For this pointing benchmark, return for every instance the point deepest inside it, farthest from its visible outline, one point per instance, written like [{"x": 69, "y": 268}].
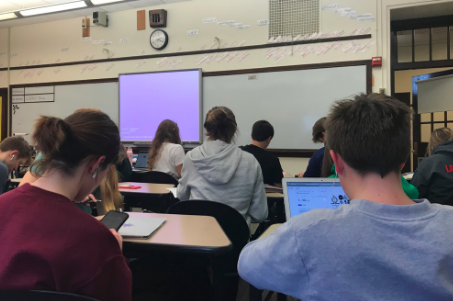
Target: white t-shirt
[{"x": 171, "y": 156}]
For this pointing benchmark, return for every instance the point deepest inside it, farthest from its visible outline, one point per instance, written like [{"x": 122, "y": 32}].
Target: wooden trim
[
  {"x": 430, "y": 44},
  {"x": 196, "y": 52},
  {"x": 420, "y": 23},
  {"x": 3, "y": 69},
  {"x": 448, "y": 43},
  {"x": 423, "y": 65},
  {"x": 293, "y": 153},
  {"x": 4, "y": 96},
  {"x": 76, "y": 82}
]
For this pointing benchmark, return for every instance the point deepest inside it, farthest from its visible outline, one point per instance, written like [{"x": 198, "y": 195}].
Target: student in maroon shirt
[{"x": 47, "y": 243}]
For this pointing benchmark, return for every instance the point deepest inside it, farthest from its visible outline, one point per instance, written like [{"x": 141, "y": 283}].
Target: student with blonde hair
[
  {"x": 48, "y": 243},
  {"x": 166, "y": 153},
  {"x": 220, "y": 171},
  {"x": 434, "y": 175}
]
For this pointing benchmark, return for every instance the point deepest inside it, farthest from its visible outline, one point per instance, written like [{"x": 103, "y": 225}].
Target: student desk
[
  {"x": 270, "y": 230},
  {"x": 154, "y": 197},
  {"x": 13, "y": 183},
  {"x": 190, "y": 233},
  {"x": 183, "y": 233},
  {"x": 146, "y": 188}
]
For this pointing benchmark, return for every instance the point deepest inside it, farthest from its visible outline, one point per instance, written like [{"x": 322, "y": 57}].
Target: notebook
[
  {"x": 140, "y": 226},
  {"x": 142, "y": 160},
  {"x": 304, "y": 194}
]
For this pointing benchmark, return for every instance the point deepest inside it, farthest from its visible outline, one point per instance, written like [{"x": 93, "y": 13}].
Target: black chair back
[
  {"x": 41, "y": 296},
  {"x": 155, "y": 177}
]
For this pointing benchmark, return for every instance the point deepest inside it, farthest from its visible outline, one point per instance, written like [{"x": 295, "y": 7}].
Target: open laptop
[
  {"x": 304, "y": 194},
  {"x": 137, "y": 226},
  {"x": 142, "y": 161}
]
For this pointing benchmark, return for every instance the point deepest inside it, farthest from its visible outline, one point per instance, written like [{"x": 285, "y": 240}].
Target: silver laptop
[
  {"x": 137, "y": 226},
  {"x": 304, "y": 194}
]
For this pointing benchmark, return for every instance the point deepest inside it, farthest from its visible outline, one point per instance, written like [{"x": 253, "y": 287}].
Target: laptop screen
[
  {"x": 142, "y": 160},
  {"x": 305, "y": 196}
]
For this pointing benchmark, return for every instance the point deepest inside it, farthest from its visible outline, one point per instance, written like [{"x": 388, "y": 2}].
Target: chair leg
[
  {"x": 281, "y": 297},
  {"x": 255, "y": 294}
]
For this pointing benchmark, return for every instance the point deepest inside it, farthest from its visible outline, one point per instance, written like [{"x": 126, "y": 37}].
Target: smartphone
[{"x": 114, "y": 219}]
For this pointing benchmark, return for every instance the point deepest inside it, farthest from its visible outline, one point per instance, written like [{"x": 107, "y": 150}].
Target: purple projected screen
[{"x": 148, "y": 98}]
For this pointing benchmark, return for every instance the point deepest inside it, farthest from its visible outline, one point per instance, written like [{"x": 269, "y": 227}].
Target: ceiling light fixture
[
  {"x": 52, "y": 8},
  {"x": 7, "y": 16},
  {"x": 99, "y": 2}
]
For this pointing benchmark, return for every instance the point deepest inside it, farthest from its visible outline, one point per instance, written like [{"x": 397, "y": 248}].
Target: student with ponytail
[
  {"x": 47, "y": 242},
  {"x": 220, "y": 171}
]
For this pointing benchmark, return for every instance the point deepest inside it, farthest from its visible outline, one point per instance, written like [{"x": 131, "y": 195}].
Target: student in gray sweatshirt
[
  {"x": 219, "y": 171},
  {"x": 383, "y": 246},
  {"x": 14, "y": 151}
]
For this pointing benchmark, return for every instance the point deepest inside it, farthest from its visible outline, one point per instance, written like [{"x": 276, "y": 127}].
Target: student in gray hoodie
[
  {"x": 383, "y": 246},
  {"x": 219, "y": 171}
]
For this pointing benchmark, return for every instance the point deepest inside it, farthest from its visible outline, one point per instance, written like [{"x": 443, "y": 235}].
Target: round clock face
[{"x": 158, "y": 39}]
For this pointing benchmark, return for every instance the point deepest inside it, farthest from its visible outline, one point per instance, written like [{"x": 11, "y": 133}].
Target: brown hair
[
  {"x": 220, "y": 124},
  {"x": 438, "y": 136},
  {"x": 17, "y": 143},
  {"x": 327, "y": 162},
  {"x": 167, "y": 131},
  {"x": 371, "y": 133},
  {"x": 318, "y": 130},
  {"x": 110, "y": 195},
  {"x": 66, "y": 143}
]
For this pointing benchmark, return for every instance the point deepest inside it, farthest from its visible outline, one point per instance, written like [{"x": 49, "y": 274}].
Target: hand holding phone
[{"x": 114, "y": 219}]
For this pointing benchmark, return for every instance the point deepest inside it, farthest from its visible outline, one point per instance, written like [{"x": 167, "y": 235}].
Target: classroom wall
[
  {"x": 61, "y": 41},
  {"x": 3, "y": 56},
  {"x": 294, "y": 166}
]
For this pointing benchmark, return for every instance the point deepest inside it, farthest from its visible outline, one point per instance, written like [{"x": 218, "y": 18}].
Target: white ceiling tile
[
  {"x": 116, "y": 7},
  {"x": 87, "y": 11},
  {"x": 28, "y": 3},
  {"x": 173, "y": 1},
  {"x": 13, "y": 5},
  {"x": 7, "y": 7},
  {"x": 52, "y": 2},
  {"x": 145, "y": 3}
]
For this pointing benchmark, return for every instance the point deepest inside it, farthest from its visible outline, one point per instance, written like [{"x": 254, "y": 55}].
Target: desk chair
[
  {"x": 237, "y": 230},
  {"x": 163, "y": 203},
  {"x": 41, "y": 296},
  {"x": 155, "y": 177}
]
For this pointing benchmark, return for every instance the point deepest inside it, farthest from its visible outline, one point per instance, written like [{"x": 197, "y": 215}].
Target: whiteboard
[
  {"x": 292, "y": 101},
  {"x": 434, "y": 95},
  {"x": 68, "y": 98}
]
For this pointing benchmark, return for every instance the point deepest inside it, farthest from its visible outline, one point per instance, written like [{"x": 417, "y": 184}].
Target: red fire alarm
[{"x": 376, "y": 61}]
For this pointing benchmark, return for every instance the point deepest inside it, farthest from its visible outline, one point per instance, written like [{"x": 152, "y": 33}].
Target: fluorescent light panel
[
  {"x": 99, "y": 2},
  {"x": 52, "y": 9},
  {"x": 7, "y": 16}
]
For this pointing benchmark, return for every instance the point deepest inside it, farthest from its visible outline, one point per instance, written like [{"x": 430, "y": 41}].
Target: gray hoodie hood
[{"x": 216, "y": 161}]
